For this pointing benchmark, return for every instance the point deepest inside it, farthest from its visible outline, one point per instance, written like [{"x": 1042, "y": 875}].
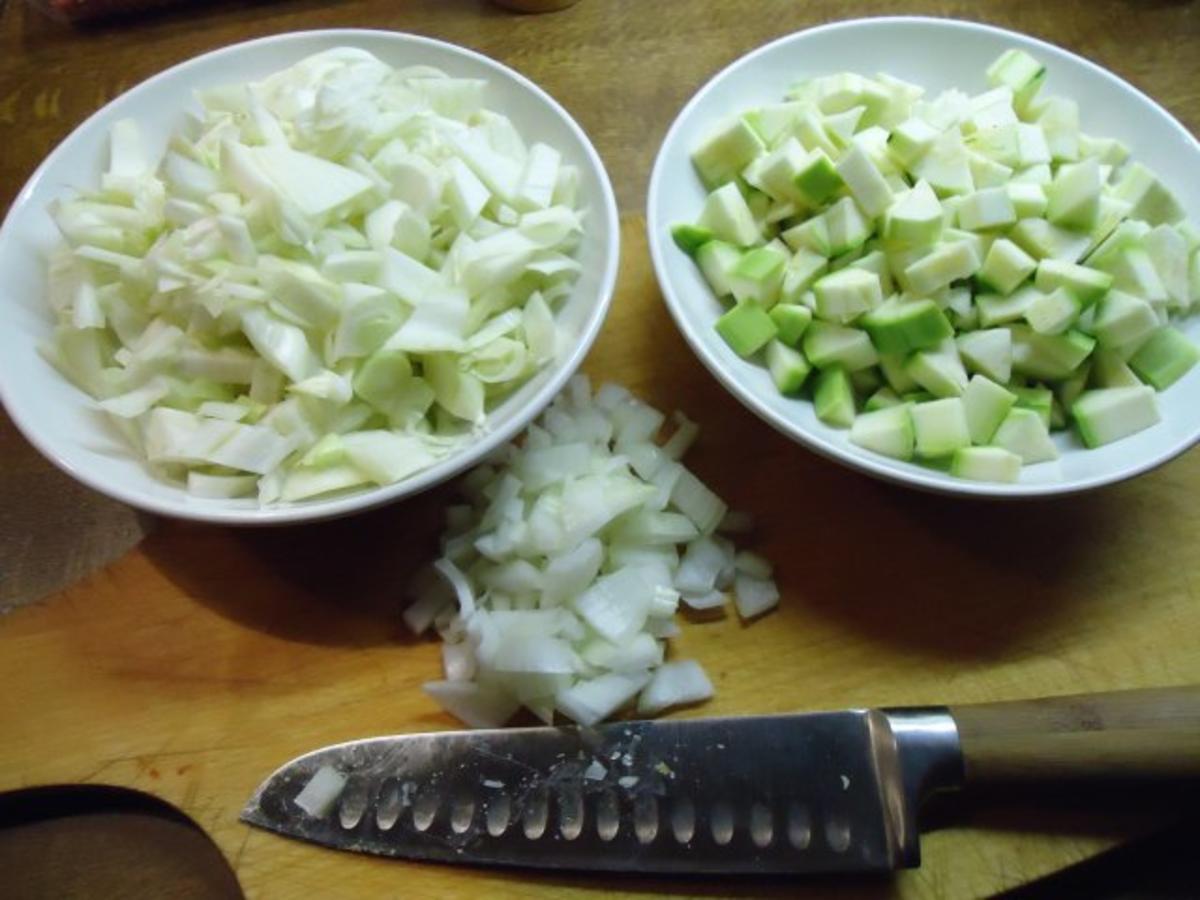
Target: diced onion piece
[
  {"x": 477, "y": 705},
  {"x": 754, "y": 596},
  {"x": 319, "y": 795},
  {"x": 566, "y": 566},
  {"x": 588, "y": 702},
  {"x": 674, "y": 684}
]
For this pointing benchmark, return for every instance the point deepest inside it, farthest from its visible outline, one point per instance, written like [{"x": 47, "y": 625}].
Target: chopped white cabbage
[{"x": 341, "y": 249}]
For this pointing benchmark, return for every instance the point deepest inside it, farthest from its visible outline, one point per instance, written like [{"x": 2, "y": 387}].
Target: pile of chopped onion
[
  {"x": 325, "y": 283},
  {"x": 560, "y": 579}
]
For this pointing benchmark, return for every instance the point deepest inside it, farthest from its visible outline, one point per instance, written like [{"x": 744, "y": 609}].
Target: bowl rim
[
  {"x": 864, "y": 461},
  {"x": 319, "y": 509}
]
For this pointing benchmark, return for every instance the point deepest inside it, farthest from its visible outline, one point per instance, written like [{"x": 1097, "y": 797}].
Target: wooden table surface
[{"x": 203, "y": 657}]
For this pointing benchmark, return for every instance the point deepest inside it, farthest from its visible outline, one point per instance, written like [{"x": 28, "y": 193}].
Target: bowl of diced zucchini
[{"x": 946, "y": 254}]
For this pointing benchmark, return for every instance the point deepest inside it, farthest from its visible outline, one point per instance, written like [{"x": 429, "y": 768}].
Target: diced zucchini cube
[
  {"x": 914, "y": 218},
  {"x": 757, "y": 276},
  {"x": 939, "y": 371},
  {"x": 1109, "y": 370},
  {"x": 902, "y": 326},
  {"x": 947, "y": 263},
  {"x": 1000, "y": 145},
  {"x": 716, "y": 260},
  {"x": 996, "y": 309},
  {"x": 888, "y": 431},
  {"x": 1044, "y": 240},
  {"x": 1087, "y": 284},
  {"x": 1048, "y": 356},
  {"x": 1053, "y": 313},
  {"x": 1133, "y": 271},
  {"x": 841, "y": 126},
  {"x": 788, "y": 368},
  {"x": 847, "y": 226},
  {"x": 1005, "y": 267},
  {"x": 833, "y": 397},
  {"x": 1073, "y": 197},
  {"x": 1122, "y": 320},
  {"x": 725, "y": 153},
  {"x": 1125, "y": 236},
  {"x": 988, "y": 352},
  {"x": 799, "y": 274},
  {"x": 773, "y": 123},
  {"x": 1151, "y": 199},
  {"x": 1028, "y": 199},
  {"x": 988, "y": 208},
  {"x": 1106, "y": 150},
  {"x": 818, "y": 179},
  {"x": 987, "y": 173},
  {"x": 1059, "y": 119},
  {"x": 940, "y": 427},
  {"x": 776, "y": 172},
  {"x": 791, "y": 320},
  {"x": 945, "y": 165},
  {"x": 827, "y": 345},
  {"x": 866, "y": 183},
  {"x": 747, "y": 328},
  {"x": 1168, "y": 251},
  {"x": 1032, "y": 149},
  {"x": 690, "y": 238},
  {"x": 1165, "y": 357},
  {"x": 1038, "y": 173},
  {"x": 876, "y": 261},
  {"x": 1021, "y": 73},
  {"x": 811, "y": 234},
  {"x": 986, "y": 404},
  {"x": 892, "y": 366},
  {"x": 1024, "y": 433},
  {"x": 981, "y": 242},
  {"x": 727, "y": 216},
  {"x": 985, "y": 464},
  {"x": 1109, "y": 414},
  {"x": 1039, "y": 399},
  {"x": 846, "y": 294},
  {"x": 910, "y": 140}
]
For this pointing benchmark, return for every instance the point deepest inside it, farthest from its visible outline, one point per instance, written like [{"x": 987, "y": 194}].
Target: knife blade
[{"x": 810, "y": 792}]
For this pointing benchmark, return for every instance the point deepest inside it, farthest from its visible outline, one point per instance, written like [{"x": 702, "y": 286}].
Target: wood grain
[
  {"x": 1134, "y": 736},
  {"x": 198, "y": 662}
]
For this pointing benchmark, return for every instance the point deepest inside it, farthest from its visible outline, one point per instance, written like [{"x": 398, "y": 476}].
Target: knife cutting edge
[{"x": 811, "y": 792}]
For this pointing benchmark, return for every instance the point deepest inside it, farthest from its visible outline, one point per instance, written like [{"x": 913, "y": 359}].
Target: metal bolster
[{"x": 917, "y": 753}]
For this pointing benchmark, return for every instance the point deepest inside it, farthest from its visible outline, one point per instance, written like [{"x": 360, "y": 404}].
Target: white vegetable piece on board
[{"x": 562, "y": 572}]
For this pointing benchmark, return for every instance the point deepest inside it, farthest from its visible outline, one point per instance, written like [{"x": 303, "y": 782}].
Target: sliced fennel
[
  {"x": 561, "y": 575},
  {"x": 325, "y": 283}
]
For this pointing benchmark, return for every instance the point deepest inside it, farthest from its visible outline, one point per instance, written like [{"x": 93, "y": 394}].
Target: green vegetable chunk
[
  {"x": 791, "y": 320},
  {"x": 1164, "y": 358},
  {"x": 789, "y": 369},
  {"x": 940, "y": 427},
  {"x": 985, "y": 464},
  {"x": 746, "y": 328},
  {"x": 902, "y": 326},
  {"x": 833, "y": 397},
  {"x": 1106, "y": 415},
  {"x": 888, "y": 431}
]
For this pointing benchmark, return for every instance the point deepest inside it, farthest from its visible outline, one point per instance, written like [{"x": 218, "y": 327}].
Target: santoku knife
[{"x": 814, "y": 792}]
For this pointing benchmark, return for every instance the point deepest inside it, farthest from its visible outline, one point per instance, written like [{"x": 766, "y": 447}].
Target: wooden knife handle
[{"x": 1125, "y": 735}]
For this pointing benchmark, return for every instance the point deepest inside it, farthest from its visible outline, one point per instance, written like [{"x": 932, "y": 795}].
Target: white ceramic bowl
[
  {"x": 937, "y": 54},
  {"x": 63, "y": 423}
]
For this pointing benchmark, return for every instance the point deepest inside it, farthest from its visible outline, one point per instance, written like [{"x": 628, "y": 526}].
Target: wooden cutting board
[{"x": 206, "y": 657}]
